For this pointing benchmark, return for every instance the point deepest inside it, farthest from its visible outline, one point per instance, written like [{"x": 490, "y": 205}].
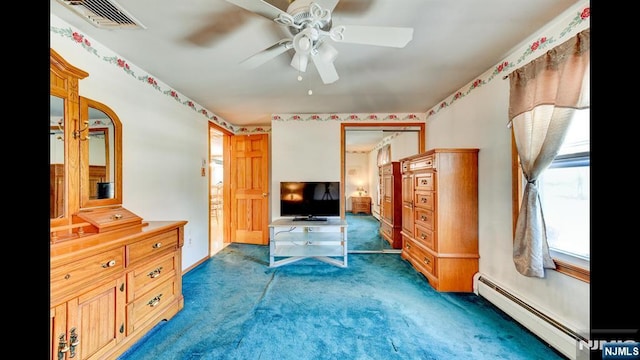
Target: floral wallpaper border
[
  {"x": 402, "y": 117},
  {"x": 578, "y": 22}
]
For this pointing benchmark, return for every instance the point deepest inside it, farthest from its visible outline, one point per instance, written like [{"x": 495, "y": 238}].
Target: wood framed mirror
[
  {"x": 57, "y": 191},
  {"x": 64, "y": 113}
]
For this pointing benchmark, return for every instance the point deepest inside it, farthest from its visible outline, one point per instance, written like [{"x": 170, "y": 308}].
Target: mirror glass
[
  {"x": 361, "y": 145},
  {"x": 100, "y": 155},
  {"x": 101, "y": 166},
  {"x": 56, "y": 162}
]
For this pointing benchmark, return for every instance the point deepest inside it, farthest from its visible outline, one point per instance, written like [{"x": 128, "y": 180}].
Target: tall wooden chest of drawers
[{"x": 440, "y": 193}]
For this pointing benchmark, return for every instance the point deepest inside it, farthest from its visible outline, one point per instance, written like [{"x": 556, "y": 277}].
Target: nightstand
[{"x": 361, "y": 204}]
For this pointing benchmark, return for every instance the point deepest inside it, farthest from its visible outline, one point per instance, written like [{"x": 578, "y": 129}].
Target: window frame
[{"x": 565, "y": 264}]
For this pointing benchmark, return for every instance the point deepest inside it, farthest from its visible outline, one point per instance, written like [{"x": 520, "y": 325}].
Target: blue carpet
[
  {"x": 363, "y": 233},
  {"x": 236, "y": 307}
]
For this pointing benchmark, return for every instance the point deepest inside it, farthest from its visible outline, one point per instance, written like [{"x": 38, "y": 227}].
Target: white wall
[
  {"x": 357, "y": 174},
  {"x": 163, "y": 143},
  {"x": 303, "y": 151}
]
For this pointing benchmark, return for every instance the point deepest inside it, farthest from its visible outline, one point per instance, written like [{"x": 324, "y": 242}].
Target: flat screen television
[{"x": 310, "y": 200}]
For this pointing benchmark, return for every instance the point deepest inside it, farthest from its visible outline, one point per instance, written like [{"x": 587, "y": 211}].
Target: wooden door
[
  {"x": 407, "y": 204},
  {"x": 386, "y": 209},
  {"x": 249, "y": 180},
  {"x": 99, "y": 317},
  {"x": 90, "y": 325}
]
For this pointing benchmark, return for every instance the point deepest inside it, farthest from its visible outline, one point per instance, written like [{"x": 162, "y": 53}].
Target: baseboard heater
[{"x": 512, "y": 305}]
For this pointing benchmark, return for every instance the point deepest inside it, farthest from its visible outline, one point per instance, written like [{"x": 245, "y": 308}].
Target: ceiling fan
[{"x": 310, "y": 25}]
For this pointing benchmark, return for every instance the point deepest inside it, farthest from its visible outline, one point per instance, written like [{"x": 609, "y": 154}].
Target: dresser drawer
[
  {"x": 424, "y": 218},
  {"x": 424, "y": 199},
  {"x": 149, "y": 304},
  {"x": 82, "y": 272},
  {"x": 405, "y": 166},
  {"x": 425, "y": 237},
  {"x": 141, "y": 279},
  {"x": 425, "y": 162},
  {"x": 425, "y": 181},
  {"x": 154, "y": 245},
  {"x": 420, "y": 258}
]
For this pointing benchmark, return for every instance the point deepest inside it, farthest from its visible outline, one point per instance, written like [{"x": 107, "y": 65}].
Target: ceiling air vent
[{"x": 106, "y": 14}]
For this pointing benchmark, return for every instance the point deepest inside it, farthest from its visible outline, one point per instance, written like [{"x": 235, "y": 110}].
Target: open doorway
[{"x": 218, "y": 180}]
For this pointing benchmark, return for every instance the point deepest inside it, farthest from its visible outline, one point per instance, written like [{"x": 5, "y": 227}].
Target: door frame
[{"x": 226, "y": 176}]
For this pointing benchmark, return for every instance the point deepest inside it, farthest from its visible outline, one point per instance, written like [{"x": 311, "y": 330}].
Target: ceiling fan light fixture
[
  {"x": 327, "y": 52},
  {"x": 300, "y": 61}
]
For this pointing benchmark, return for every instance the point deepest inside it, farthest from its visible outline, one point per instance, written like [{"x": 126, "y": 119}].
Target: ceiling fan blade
[
  {"x": 373, "y": 35},
  {"x": 267, "y": 54},
  {"x": 327, "y": 4},
  {"x": 259, "y": 7},
  {"x": 327, "y": 71}
]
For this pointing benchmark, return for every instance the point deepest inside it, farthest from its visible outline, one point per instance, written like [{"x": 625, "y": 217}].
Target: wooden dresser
[
  {"x": 440, "y": 195},
  {"x": 112, "y": 283},
  {"x": 361, "y": 204},
  {"x": 390, "y": 203}
]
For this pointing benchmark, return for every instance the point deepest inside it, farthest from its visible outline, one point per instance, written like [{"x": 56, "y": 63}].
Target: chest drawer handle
[
  {"x": 423, "y": 218},
  {"x": 157, "y": 245},
  {"x": 423, "y": 236},
  {"x": 63, "y": 346},
  {"x": 423, "y": 200},
  {"x": 155, "y": 273},
  {"x": 155, "y": 301},
  {"x": 109, "y": 264},
  {"x": 427, "y": 261},
  {"x": 116, "y": 216},
  {"x": 408, "y": 247}
]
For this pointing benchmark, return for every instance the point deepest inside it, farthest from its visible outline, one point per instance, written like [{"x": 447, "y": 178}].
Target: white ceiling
[{"x": 195, "y": 47}]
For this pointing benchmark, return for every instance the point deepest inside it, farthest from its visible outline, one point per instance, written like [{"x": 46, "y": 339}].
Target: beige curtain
[{"x": 543, "y": 97}]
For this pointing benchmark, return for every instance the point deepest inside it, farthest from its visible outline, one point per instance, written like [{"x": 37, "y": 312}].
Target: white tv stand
[{"x": 291, "y": 246}]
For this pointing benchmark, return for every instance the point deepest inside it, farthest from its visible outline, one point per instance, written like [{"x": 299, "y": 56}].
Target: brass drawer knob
[
  {"x": 157, "y": 245},
  {"x": 109, "y": 264}
]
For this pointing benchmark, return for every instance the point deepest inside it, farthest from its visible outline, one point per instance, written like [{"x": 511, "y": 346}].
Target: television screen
[{"x": 308, "y": 200}]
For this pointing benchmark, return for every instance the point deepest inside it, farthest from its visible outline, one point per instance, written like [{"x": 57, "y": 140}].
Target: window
[{"x": 564, "y": 194}]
